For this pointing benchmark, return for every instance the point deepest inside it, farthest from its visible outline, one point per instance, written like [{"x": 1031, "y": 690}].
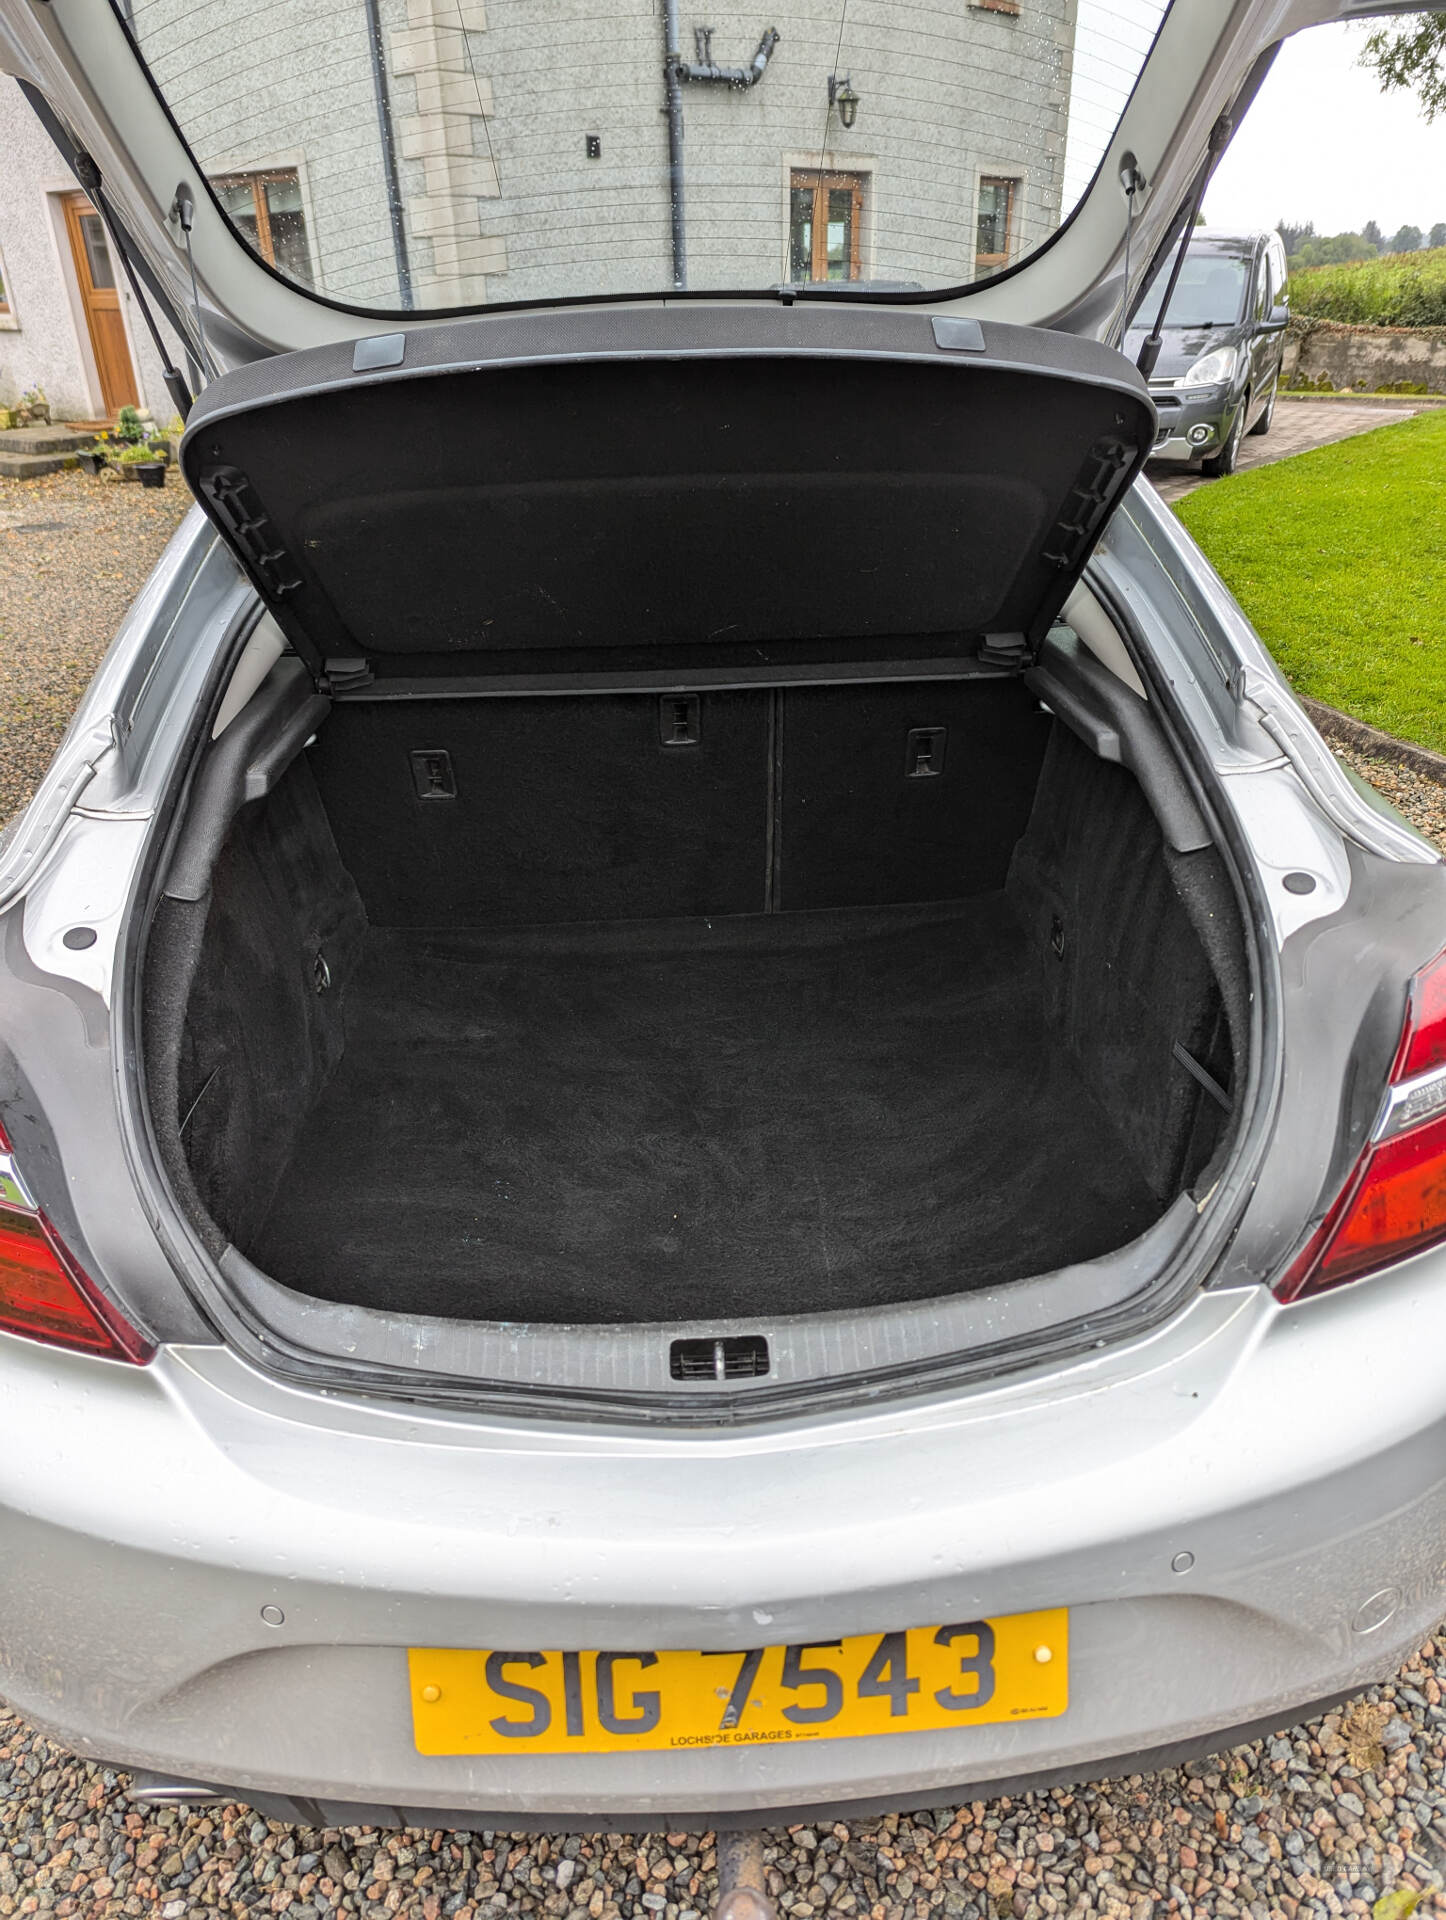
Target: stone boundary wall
[{"x": 1364, "y": 358}]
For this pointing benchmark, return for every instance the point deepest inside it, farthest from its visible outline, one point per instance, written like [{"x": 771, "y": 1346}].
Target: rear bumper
[
  {"x": 152, "y": 1789},
  {"x": 1298, "y": 1457}
]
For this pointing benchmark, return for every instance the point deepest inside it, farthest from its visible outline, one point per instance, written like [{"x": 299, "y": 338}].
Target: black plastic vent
[{"x": 743, "y": 1356}]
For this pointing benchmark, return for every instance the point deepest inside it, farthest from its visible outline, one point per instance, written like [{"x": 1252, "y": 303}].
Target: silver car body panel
[
  {"x": 1218, "y": 1526},
  {"x": 1231, "y": 1540},
  {"x": 150, "y": 1513},
  {"x": 1236, "y": 696}
]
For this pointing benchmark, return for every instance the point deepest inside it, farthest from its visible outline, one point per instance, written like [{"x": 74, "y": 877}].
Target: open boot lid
[
  {"x": 254, "y": 162},
  {"x": 604, "y": 495}
]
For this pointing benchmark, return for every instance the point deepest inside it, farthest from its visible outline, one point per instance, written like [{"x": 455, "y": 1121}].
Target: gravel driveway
[
  {"x": 1327, "y": 1819},
  {"x": 1347, "y": 1815},
  {"x": 73, "y": 551}
]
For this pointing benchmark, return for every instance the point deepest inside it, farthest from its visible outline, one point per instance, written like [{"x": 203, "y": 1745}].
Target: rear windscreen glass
[{"x": 421, "y": 155}]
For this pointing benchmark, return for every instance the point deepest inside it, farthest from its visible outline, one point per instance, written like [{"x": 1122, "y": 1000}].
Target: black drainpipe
[
  {"x": 389, "y": 153},
  {"x": 705, "y": 71},
  {"x": 673, "y": 94}
]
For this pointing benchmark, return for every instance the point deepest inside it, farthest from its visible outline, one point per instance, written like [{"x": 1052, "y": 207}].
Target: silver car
[{"x": 712, "y": 1107}]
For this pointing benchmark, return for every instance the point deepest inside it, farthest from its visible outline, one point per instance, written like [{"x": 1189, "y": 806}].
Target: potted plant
[
  {"x": 34, "y": 408},
  {"x": 140, "y": 462},
  {"x": 95, "y": 457},
  {"x": 130, "y": 444}
]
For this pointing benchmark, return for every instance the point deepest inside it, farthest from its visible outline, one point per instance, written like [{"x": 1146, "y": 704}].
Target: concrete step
[
  {"x": 31, "y": 466},
  {"x": 22, "y": 440}
]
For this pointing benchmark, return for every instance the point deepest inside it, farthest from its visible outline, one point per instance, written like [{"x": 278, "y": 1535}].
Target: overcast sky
[
  {"x": 1320, "y": 143},
  {"x": 1323, "y": 143}
]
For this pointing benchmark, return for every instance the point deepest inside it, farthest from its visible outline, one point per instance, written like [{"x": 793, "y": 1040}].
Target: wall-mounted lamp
[{"x": 841, "y": 95}]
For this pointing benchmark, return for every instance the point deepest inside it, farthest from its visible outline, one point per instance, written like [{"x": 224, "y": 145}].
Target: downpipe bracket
[{"x": 705, "y": 68}]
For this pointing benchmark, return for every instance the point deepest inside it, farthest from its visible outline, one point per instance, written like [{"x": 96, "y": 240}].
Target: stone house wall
[
  {"x": 493, "y": 102},
  {"x": 43, "y": 339}
]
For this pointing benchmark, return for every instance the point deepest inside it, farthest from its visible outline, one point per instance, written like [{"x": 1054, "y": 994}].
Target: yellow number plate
[{"x": 498, "y": 1701}]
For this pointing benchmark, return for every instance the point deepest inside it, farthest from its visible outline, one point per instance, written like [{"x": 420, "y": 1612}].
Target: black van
[{"x": 1224, "y": 334}]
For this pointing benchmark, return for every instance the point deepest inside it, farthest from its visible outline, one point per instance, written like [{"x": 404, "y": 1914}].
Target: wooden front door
[{"x": 95, "y": 274}]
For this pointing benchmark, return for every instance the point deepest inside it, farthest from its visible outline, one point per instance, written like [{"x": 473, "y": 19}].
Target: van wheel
[
  {"x": 1262, "y": 425},
  {"x": 1219, "y": 464}
]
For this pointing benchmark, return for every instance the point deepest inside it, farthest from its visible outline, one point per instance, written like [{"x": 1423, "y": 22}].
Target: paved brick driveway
[{"x": 1298, "y": 426}]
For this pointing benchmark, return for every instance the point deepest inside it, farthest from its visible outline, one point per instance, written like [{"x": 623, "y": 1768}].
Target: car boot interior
[
  {"x": 619, "y": 1008},
  {"x": 692, "y": 903}
]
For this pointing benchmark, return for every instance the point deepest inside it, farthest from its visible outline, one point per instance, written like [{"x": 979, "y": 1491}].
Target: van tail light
[
  {"x": 1394, "y": 1202},
  {"x": 43, "y": 1293}
]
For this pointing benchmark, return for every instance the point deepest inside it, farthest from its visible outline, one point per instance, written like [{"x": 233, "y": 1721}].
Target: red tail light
[
  {"x": 43, "y": 1293},
  {"x": 1394, "y": 1202}
]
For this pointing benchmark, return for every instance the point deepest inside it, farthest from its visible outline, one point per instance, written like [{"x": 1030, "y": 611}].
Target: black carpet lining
[{"x": 660, "y": 1120}]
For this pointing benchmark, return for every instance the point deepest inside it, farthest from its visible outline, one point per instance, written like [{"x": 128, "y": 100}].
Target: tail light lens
[
  {"x": 43, "y": 1293},
  {"x": 1394, "y": 1202}
]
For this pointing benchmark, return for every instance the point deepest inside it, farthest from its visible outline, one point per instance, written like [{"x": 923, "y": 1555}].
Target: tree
[
  {"x": 1437, "y": 235},
  {"x": 1413, "y": 58},
  {"x": 1405, "y": 240},
  {"x": 1295, "y": 235},
  {"x": 1331, "y": 250},
  {"x": 1370, "y": 231}
]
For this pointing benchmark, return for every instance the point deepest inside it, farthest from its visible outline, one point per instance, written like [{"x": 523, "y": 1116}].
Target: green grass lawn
[{"x": 1339, "y": 559}]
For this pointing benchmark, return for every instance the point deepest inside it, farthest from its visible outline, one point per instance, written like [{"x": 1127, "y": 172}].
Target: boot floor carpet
[{"x": 681, "y": 1120}]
